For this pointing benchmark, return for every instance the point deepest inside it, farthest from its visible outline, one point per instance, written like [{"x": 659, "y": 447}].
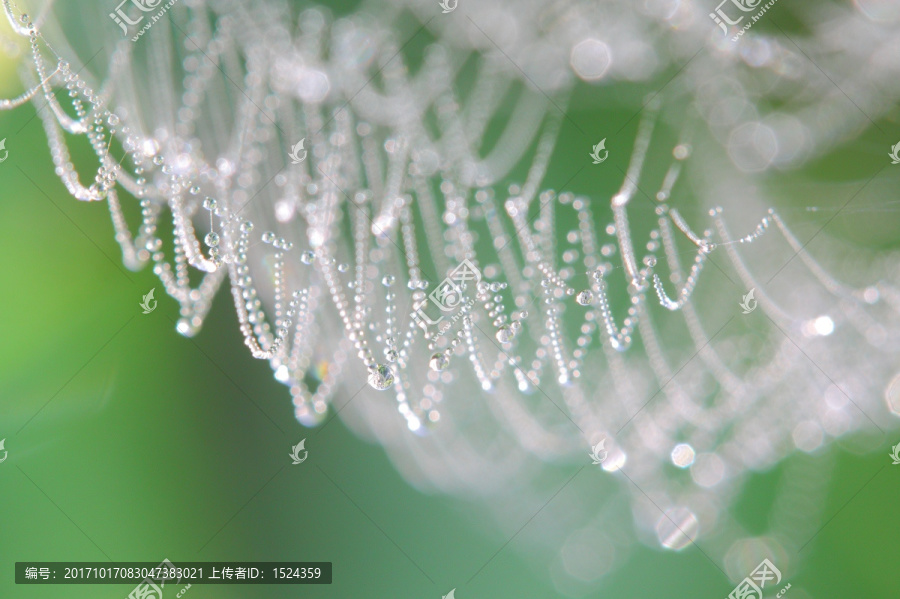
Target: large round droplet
[
  {"x": 438, "y": 361},
  {"x": 584, "y": 297},
  {"x": 381, "y": 377},
  {"x": 307, "y": 257},
  {"x": 505, "y": 334},
  {"x": 212, "y": 239}
]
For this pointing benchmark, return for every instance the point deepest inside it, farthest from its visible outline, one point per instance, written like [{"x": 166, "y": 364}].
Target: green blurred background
[{"x": 129, "y": 442}]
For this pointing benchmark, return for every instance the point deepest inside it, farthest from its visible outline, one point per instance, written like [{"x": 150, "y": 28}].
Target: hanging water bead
[
  {"x": 381, "y": 377},
  {"x": 268, "y": 237},
  {"x": 585, "y": 298},
  {"x": 505, "y": 334},
  {"x": 388, "y": 280},
  {"x": 195, "y": 189},
  {"x": 307, "y": 257},
  {"x": 212, "y": 239},
  {"x": 681, "y": 151},
  {"x": 209, "y": 203},
  {"x": 438, "y": 361}
]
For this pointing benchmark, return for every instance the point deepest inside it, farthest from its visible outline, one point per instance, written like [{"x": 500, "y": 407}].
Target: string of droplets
[{"x": 171, "y": 173}]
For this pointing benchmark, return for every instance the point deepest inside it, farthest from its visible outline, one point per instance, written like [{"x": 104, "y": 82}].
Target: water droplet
[
  {"x": 195, "y": 190},
  {"x": 438, "y": 361},
  {"x": 683, "y": 455},
  {"x": 158, "y": 160},
  {"x": 505, "y": 334},
  {"x": 585, "y": 298},
  {"x": 388, "y": 280},
  {"x": 185, "y": 328},
  {"x": 209, "y": 203},
  {"x": 650, "y": 261},
  {"x": 268, "y": 237},
  {"x": 212, "y": 239},
  {"x": 391, "y": 354},
  {"x": 677, "y": 528},
  {"x": 307, "y": 257},
  {"x": 343, "y": 267},
  {"x": 381, "y": 377},
  {"x": 246, "y": 226},
  {"x": 681, "y": 151}
]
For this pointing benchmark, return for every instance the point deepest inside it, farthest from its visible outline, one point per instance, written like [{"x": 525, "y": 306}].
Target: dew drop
[
  {"x": 505, "y": 334},
  {"x": 585, "y": 298},
  {"x": 212, "y": 239},
  {"x": 307, "y": 257},
  {"x": 681, "y": 151},
  {"x": 268, "y": 237},
  {"x": 381, "y": 377},
  {"x": 438, "y": 361}
]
